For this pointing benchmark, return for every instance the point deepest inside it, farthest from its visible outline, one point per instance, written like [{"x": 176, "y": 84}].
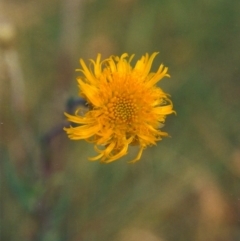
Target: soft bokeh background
[{"x": 187, "y": 188}]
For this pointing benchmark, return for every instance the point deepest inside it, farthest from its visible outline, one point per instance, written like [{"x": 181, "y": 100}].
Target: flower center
[{"x": 122, "y": 108}]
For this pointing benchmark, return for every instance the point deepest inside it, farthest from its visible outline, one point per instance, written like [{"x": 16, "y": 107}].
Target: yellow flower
[{"x": 125, "y": 106}]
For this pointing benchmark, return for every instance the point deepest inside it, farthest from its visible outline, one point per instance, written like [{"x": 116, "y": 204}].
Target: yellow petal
[
  {"x": 137, "y": 158},
  {"x": 149, "y": 64},
  {"x": 91, "y": 92},
  {"x": 89, "y": 77}
]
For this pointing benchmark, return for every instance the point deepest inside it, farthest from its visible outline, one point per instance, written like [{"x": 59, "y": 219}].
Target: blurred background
[{"x": 187, "y": 188}]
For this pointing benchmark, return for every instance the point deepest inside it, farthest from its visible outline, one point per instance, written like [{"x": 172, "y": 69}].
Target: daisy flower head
[{"x": 126, "y": 107}]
